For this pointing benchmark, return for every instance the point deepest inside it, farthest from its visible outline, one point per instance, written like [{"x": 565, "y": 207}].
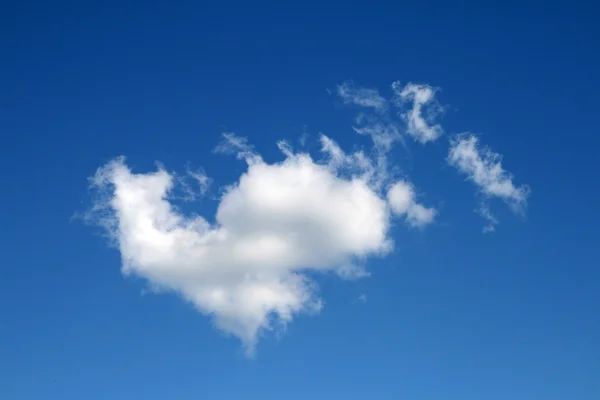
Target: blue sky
[{"x": 448, "y": 312}]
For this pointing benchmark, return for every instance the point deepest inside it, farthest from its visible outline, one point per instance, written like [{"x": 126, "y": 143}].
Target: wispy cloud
[
  {"x": 203, "y": 181},
  {"x": 484, "y": 168},
  {"x": 233, "y": 144},
  {"x": 383, "y": 132},
  {"x": 375, "y": 122},
  {"x": 364, "y": 97},
  {"x": 423, "y": 110}
]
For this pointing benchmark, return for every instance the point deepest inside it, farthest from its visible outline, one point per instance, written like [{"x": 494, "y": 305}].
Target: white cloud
[
  {"x": 492, "y": 221},
  {"x": 381, "y": 129},
  {"x": 202, "y": 180},
  {"x": 233, "y": 144},
  {"x": 248, "y": 268},
  {"x": 424, "y": 108},
  {"x": 419, "y": 126},
  {"x": 484, "y": 168},
  {"x": 279, "y": 220},
  {"x": 401, "y": 197},
  {"x": 383, "y": 133},
  {"x": 364, "y": 97}
]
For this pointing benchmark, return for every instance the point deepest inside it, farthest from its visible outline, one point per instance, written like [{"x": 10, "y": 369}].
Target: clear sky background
[{"x": 450, "y": 314}]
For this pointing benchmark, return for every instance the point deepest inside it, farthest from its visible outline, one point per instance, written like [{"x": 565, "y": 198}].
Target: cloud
[
  {"x": 233, "y": 144},
  {"x": 364, "y": 97},
  {"x": 278, "y": 221},
  {"x": 362, "y": 298},
  {"x": 419, "y": 117},
  {"x": 484, "y": 168},
  {"x": 422, "y": 97},
  {"x": 484, "y": 211},
  {"x": 376, "y": 124},
  {"x": 201, "y": 179},
  {"x": 251, "y": 267},
  {"x": 383, "y": 133},
  {"x": 401, "y": 197}
]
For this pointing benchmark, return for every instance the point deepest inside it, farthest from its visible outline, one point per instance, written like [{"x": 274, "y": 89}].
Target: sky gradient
[{"x": 481, "y": 282}]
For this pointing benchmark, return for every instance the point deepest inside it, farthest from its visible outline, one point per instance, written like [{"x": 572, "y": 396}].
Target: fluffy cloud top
[
  {"x": 484, "y": 168},
  {"x": 247, "y": 270}
]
